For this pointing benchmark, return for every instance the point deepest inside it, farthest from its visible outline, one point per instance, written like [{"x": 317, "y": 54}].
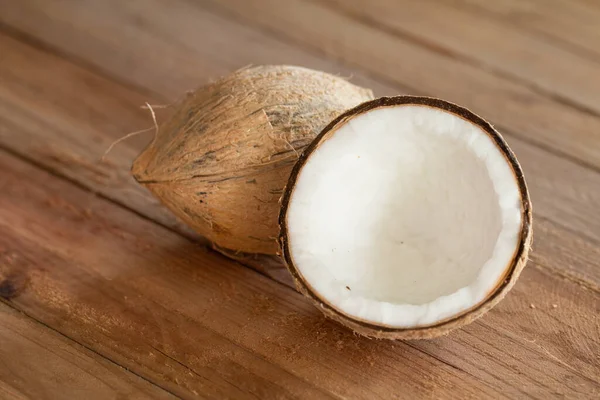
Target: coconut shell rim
[{"x": 443, "y": 326}]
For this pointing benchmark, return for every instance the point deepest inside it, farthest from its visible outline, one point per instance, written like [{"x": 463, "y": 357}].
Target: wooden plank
[
  {"x": 182, "y": 29},
  {"x": 167, "y": 48},
  {"x": 132, "y": 328},
  {"x": 572, "y": 24},
  {"x": 38, "y": 363},
  {"x": 43, "y": 121},
  {"x": 193, "y": 321},
  {"x": 57, "y": 92},
  {"x": 569, "y": 255},
  {"x": 483, "y": 41}
]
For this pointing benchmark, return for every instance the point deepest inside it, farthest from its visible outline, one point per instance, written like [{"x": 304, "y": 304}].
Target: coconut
[
  {"x": 405, "y": 218},
  {"x": 220, "y": 163}
]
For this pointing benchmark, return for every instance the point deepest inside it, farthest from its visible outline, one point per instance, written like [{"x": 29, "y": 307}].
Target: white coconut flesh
[{"x": 404, "y": 216}]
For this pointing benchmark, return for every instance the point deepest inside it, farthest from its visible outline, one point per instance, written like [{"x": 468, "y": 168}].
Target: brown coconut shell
[
  {"x": 442, "y": 327},
  {"x": 220, "y": 163}
]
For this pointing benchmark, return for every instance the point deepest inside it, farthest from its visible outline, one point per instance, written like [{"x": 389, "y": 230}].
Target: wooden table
[{"x": 104, "y": 295}]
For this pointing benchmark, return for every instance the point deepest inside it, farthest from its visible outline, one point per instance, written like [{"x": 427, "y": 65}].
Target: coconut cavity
[
  {"x": 405, "y": 214},
  {"x": 221, "y": 162}
]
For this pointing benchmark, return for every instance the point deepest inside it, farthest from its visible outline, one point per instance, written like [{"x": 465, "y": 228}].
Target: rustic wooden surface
[{"x": 104, "y": 295}]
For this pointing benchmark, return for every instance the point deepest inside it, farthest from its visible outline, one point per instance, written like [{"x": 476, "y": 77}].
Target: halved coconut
[{"x": 406, "y": 217}]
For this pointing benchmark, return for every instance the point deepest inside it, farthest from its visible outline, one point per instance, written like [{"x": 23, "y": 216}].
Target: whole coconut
[{"x": 221, "y": 162}]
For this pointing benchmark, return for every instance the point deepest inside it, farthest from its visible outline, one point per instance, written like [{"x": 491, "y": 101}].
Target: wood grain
[
  {"x": 194, "y": 322},
  {"x": 164, "y": 48},
  {"x": 571, "y": 24},
  {"x": 489, "y": 44},
  {"x": 62, "y": 368}
]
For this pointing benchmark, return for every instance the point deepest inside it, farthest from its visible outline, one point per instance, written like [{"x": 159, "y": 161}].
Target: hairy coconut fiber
[{"x": 221, "y": 162}]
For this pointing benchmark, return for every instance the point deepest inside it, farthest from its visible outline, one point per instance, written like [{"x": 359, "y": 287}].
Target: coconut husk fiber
[{"x": 221, "y": 162}]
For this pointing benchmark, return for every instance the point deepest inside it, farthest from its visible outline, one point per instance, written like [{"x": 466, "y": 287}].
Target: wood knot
[{"x": 8, "y": 289}]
